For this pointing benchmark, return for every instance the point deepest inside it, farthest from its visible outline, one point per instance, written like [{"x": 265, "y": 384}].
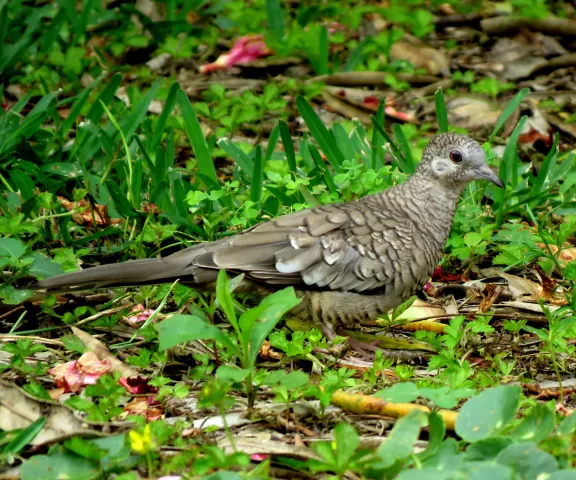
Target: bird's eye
[{"x": 456, "y": 156}]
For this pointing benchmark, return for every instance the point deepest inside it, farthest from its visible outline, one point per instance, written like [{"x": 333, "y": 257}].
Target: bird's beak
[{"x": 484, "y": 172}]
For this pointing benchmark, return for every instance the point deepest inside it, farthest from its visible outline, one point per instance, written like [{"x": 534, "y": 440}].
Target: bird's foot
[{"x": 366, "y": 349}]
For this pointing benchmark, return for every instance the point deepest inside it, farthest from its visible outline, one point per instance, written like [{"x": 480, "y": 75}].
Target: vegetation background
[{"x": 134, "y": 129}]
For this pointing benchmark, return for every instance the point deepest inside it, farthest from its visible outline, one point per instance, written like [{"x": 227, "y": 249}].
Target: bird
[{"x": 348, "y": 262}]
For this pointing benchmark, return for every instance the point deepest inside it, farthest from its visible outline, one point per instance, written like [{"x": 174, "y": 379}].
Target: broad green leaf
[
  {"x": 243, "y": 160},
  {"x": 63, "y": 465},
  {"x": 178, "y": 329},
  {"x": 12, "y": 248},
  {"x": 44, "y": 267},
  {"x": 399, "y": 393},
  {"x": 227, "y": 373},
  {"x": 400, "y": 442},
  {"x": 527, "y": 460},
  {"x": 488, "y": 413},
  {"x": 536, "y": 426},
  {"x": 257, "y": 323}
]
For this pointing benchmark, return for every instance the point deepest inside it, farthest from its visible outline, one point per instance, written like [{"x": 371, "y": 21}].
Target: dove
[{"x": 348, "y": 262}]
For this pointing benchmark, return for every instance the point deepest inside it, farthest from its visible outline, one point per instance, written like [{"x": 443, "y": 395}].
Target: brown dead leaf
[
  {"x": 527, "y": 290},
  {"x": 472, "y": 113},
  {"x": 420, "y": 55},
  {"x": 19, "y": 410},
  {"x": 101, "y": 216},
  {"x": 491, "y": 294}
]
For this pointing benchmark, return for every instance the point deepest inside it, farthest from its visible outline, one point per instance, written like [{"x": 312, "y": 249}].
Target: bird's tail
[
  {"x": 126, "y": 274},
  {"x": 150, "y": 271}
]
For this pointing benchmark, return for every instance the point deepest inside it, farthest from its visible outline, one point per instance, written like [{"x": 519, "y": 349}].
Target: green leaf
[
  {"x": 163, "y": 118},
  {"x": 121, "y": 203},
  {"x": 288, "y": 145},
  {"x": 258, "y": 177},
  {"x": 436, "y": 432},
  {"x": 347, "y": 441},
  {"x": 508, "y": 169},
  {"x": 527, "y": 460},
  {"x": 243, "y": 160},
  {"x": 488, "y": 413},
  {"x": 197, "y": 140},
  {"x": 536, "y": 426},
  {"x": 257, "y": 323},
  {"x": 408, "y": 166},
  {"x": 275, "y": 18},
  {"x": 12, "y": 248},
  {"x": 225, "y": 300},
  {"x": 232, "y": 374},
  {"x": 24, "y": 437},
  {"x": 62, "y": 465},
  {"x": 509, "y": 110},
  {"x": 321, "y": 134},
  {"x": 441, "y": 114},
  {"x": 178, "y": 329},
  {"x": 400, "y": 442},
  {"x": 44, "y": 267},
  {"x": 399, "y": 393},
  {"x": 129, "y": 124},
  {"x": 377, "y": 138},
  {"x": 85, "y": 448}
]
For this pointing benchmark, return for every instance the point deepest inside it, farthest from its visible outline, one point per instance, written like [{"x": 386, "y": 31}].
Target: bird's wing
[{"x": 340, "y": 247}]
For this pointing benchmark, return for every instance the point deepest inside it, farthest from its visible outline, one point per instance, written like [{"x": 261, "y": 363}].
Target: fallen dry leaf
[
  {"x": 19, "y": 410},
  {"x": 420, "y": 55},
  {"x": 527, "y": 290}
]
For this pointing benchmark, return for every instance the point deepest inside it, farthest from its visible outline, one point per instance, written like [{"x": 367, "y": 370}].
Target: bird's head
[{"x": 455, "y": 160}]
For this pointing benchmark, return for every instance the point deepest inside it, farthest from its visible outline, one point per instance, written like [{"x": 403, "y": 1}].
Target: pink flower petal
[{"x": 244, "y": 50}]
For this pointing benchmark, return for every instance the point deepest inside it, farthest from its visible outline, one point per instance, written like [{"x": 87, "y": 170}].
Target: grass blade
[
  {"x": 508, "y": 170},
  {"x": 377, "y": 138},
  {"x": 398, "y": 155},
  {"x": 163, "y": 118},
  {"x": 323, "y": 49},
  {"x": 76, "y": 109},
  {"x": 257, "y": 177},
  {"x": 321, "y": 134},
  {"x": 288, "y": 145},
  {"x": 196, "y": 137},
  {"x": 275, "y": 18},
  {"x": 272, "y": 142},
  {"x": 408, "y": 166},
  {"x": 508, "y": 110},
  {"x": 131, "y": 123},
  {"x": 244, "y": 161},
  {"x": 441, "y": 113},
  {"x": 321, "y": 166},
  {"x": 547, "y": 166}
]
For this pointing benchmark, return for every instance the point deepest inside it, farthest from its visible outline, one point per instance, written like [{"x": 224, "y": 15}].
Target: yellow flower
[{"x": 142, "y": 442}]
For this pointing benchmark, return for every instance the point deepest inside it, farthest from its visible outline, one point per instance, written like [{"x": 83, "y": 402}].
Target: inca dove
[{"x": 350, "y": 262}]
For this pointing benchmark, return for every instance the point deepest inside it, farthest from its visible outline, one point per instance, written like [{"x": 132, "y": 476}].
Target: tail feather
[{"x": 132, "y": 273}]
